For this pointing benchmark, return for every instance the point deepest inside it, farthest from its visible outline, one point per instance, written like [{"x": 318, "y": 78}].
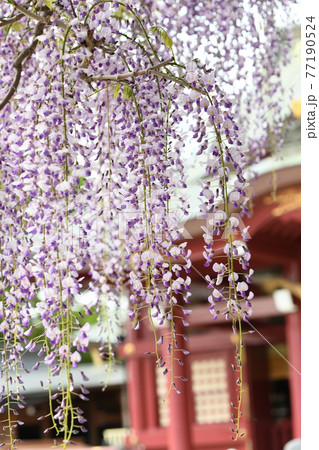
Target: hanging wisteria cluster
[
  {"x": 96, "y": 105},
  {"x": 246, "y": 44}
]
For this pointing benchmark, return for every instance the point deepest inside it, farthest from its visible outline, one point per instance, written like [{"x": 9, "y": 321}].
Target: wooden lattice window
[
  {"x": 210, "y": 391},
  {"x": 161, "y": 390}
]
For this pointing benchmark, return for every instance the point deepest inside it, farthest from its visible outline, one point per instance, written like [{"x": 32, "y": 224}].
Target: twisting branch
[
  {"x": 126, "y": 75},
  {"x": 150, "y": 71},
  {"x": 22, "y": 56},
  {"x": 31, "y": 15},
  {"x": 176, "y": 80},
  {"x": 14, "y": 19},
  {"x": 58, "y": 9},
  {"x": 43, "y": 19}
]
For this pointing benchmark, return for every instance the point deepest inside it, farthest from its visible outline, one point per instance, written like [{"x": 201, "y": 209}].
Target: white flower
[
  {"x": 217, "y": 294},
  {"x": 220, "y": 278},
  {"x": 135, "y": 282},
  {"x": 219, "y": 268},
  {"x": 242, "y": 286},
  {"x": 175, "y": 251},
  {"x": 219, "y": 216},
  {"x": 191, "y": 67},
  {"x": 167, "y": 276},
  {"x": 25, "y": 282},
  {"x": 191, "y": 77},
  {"x": 234, "y": 222},
  {"x": 75, "y": 358},
  {"x": 64, "y": 186},
  {"x": 68, "y": 282},
  {"x": 176, "y": 285},
  {"x": 234, "y": 196}
]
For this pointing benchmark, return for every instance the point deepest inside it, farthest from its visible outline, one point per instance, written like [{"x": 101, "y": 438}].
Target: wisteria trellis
[{"x": 97, "y": 100}]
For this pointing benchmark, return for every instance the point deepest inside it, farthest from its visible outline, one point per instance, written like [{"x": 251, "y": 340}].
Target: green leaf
[
  {"x": 163, "y": 35},
  {"x": 127, "y": 91},
  {"x": 16, "y": 26},
  {"x": 117, "y": 90},
  {"x": 48, "y": 3},
  {"x": 155, "y": 30},
  {"x": 120, "y": 12},
  {"x": 81, "y": 182},
  {"x": 167, "y": 41}
]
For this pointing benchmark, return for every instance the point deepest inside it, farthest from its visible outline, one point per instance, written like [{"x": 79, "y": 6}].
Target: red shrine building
[{"x": 199, "y": 418}]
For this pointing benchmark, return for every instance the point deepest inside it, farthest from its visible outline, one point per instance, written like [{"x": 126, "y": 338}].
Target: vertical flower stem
[
  {"x": 232, "y": 283},
  {"x": 66, "y": 318},
  {"x": 6, "y": 372}
]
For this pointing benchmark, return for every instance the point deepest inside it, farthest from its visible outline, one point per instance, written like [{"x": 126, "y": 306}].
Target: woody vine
[{"x": 100, "y": 103}]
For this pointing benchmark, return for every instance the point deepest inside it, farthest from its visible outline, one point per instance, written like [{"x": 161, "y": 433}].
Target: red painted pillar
[
  {"x": 293, "y": 337},
  {"x": 179, "y": 432},
  {"x": 135, "y": 394},
  {"x": 179, "y": 435},
  {"x": 134, "y": 380},
  {"x": 151, "y": 402},
  {"x": 293, "y": 333}
]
